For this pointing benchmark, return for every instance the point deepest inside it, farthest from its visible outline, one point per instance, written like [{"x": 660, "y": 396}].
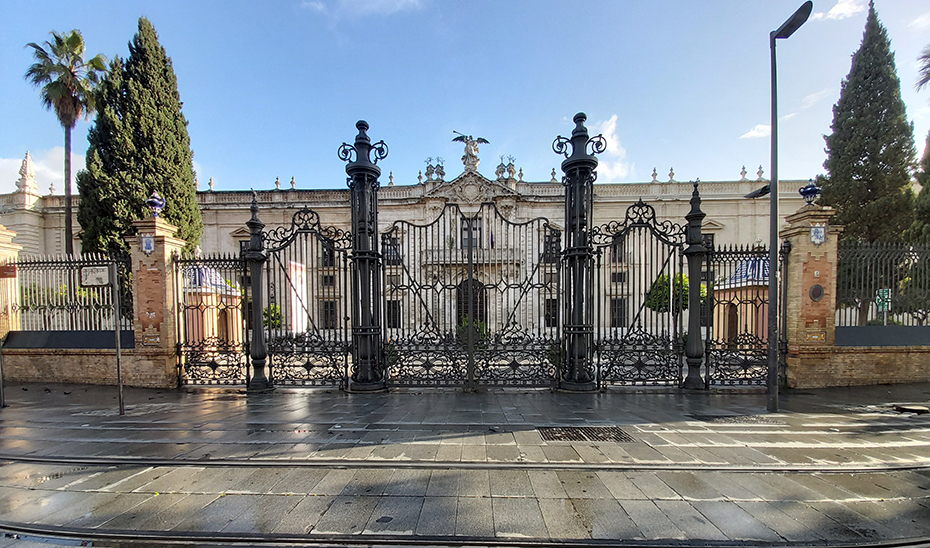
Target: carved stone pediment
[
  {"x": 710, "y": 225},
  {"x": 470, "y": 188}
]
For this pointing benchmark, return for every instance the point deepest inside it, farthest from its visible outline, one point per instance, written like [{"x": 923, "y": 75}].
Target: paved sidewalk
[{"x": 834, "y": 466}]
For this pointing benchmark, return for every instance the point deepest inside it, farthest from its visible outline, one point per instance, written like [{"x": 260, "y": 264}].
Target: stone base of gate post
[
  {"x": 366, "y": 387},
  {"x": 569, "y": 386}
]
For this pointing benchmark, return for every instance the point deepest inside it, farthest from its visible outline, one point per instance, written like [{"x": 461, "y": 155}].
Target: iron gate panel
[
  {"x": 471, "y": 297},
  {"x": 737, "y": 340},
  {"x": 643, "y": 293},
  {"x": 307, "y": 291},
  {"x": 213, "y": 346}
]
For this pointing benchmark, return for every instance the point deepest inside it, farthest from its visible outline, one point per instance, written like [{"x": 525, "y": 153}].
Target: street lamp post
[{"x": 784, "y": 31}]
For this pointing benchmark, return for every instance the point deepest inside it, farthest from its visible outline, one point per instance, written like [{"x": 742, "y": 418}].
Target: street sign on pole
[{"x": 883, "y": 299}]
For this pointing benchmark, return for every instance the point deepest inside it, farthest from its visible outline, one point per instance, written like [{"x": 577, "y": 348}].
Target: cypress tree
[
  {"x": 871, "y": 151},
  {"x": 138, "y": 144},
  {"x": 920, "y": 230}
]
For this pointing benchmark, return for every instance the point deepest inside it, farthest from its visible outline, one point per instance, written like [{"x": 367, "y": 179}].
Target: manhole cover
[
  {"x": 585, "y": 433},
  {"x": 737, "y": 419}
]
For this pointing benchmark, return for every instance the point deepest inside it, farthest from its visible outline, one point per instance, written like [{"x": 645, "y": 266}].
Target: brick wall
[
  {"x": 819, "y": 367},
  {"x": 141, "y": 367}
]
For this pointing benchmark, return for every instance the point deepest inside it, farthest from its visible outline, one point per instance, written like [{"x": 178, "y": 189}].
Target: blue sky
[{"x": 271, "y": 89}]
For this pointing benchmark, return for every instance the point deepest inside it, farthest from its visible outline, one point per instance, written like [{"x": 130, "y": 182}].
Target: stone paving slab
[{"x": 698, "y": 467}]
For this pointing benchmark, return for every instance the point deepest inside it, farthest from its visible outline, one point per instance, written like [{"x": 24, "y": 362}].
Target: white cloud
[
  {"x": 787, "y": 117},
  {"x": 50, "y": 168},
  {"x": 842, "y": 10},
  {"x": 314, "y": 5},
  {"x": 814, "y": 98},
  {"x": 361, "y": 8},
  {"x": 921, "y": 22},
  {"x": 612, "y": 164},
  {"x": 761, "y": 130}
]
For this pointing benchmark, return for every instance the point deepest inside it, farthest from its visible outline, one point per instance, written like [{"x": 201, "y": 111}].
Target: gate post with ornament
[
  {"x": 577, "y": 373},
  {"x": 362, "y": 157},
  {"x": 810, "y": 290},
  {"x": 154, "y": 359}
]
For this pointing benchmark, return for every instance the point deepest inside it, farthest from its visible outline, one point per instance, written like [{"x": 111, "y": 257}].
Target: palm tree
[
  {"x": 67, "y": 83},
  {"x": 923, "y": 77}
]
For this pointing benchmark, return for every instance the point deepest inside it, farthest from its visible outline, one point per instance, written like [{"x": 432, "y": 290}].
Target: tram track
[
  {"x": 50, "y": 534},
  {"x": 345, "y": 463}
]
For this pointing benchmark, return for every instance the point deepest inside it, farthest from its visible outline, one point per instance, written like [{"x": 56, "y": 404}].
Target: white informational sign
[
  {"x": 95, "y": 276},
  {"x": 298, "y": 287}
]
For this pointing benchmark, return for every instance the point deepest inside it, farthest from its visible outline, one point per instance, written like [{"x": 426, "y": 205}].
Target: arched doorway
[{"x": 477, "y": 307}]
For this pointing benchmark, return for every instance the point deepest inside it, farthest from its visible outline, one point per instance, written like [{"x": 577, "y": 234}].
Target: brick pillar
[
  {"x": 810, "y": 294},
  {"x": 9, "y": 289},
  {"x": 154, "y": 303}
]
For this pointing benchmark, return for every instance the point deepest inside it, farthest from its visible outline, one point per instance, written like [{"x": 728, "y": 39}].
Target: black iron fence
[
  {"x": 736, "y": 315},
  {"x": 212, "y": 312},
  {"x": 47, "y": 293},
  {"x": 882, "y": 284}
]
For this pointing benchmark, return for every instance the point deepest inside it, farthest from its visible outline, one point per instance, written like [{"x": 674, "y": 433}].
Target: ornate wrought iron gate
[
  {"x": 737, "y": 316},
  {"x": 471, "y": 298},
  {"x": 212, "y": 340},
  {"x": 307, "y": 290},
  {"x": 642, "y": 297}
]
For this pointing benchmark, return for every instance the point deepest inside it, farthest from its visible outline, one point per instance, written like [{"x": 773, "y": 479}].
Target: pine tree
[
  {"x": 138, "y": 144},
  {"x": 871, "y": 151}
]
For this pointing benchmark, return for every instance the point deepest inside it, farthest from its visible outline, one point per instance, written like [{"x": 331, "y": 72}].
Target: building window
[
  {"x": 618, "y": 250},
  {"x": 551, "y": 248},
  {"x": 471, "y": 227},
  {"x": 392, "y": 253},
  {"x": 618, "y": 312},
  {"x": 551, "y": 279},
  {"x": 708, "y": 240},
  {"x": 328, "y": 280},
  {"x": 328, "y": 256},
  {"x": 394, "y": 280},
  {"x": 392, "y": 314},
  {"x": 618, "y": 277},
  {"x": 328, "y": 314},
  {"x": 243, "y": 247},
  {"x": 552, "y": 313}
]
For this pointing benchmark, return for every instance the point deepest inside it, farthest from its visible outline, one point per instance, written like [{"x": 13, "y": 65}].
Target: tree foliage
[
  {"x": 658, "y": 297},
  {"x": 871, "y": 151},
  {"x": 920, "y": 230},
  {"x": 67, "y": 83},
  {"x": 138, "y": 144}
]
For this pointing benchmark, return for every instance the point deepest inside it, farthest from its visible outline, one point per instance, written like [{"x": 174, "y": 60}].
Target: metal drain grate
[
  {"x": 737, "y": 419},
  {"x": 585, "y": 433}
]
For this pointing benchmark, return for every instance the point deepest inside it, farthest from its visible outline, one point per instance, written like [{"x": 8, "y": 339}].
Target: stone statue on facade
[{"x": 470, "y": 159}]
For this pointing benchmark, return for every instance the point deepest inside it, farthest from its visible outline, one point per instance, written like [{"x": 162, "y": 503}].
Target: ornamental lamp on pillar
[
  {"x": 577, "y": 370},
  {"x": 362, "y": 157}
]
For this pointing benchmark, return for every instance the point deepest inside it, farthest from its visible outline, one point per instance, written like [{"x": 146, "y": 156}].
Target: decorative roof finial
[
  {"x": 760, "y": 173},
  {"x": 391, "y": 179},
  {"x": 210, "y": 184},
  {"x": 655, "y": 175},
  {"x": 277, "y": 183},
  {"x": 156, "y": 203},
  {"x": 553, "y": 180},
  {"x": 743, "y": 173},
  {"x": 27, "y": 176},
  {"x": 671, "y": 175},
  {"x": 293, "y": 183}
]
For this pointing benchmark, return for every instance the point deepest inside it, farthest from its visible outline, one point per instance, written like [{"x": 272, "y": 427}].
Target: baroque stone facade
[{"x": 731, "y": 218}]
